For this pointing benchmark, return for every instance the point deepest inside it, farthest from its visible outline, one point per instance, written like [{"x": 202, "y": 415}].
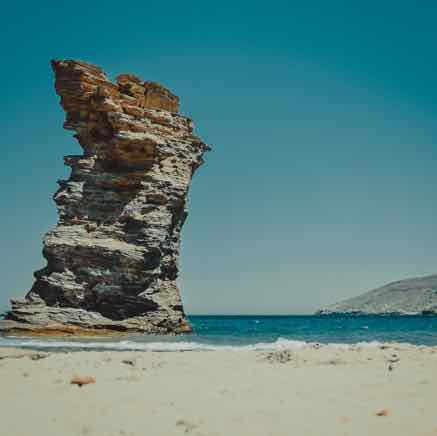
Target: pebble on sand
[
  {"x": 383, "y": 412},
  {"x": 80, "y": 381}
]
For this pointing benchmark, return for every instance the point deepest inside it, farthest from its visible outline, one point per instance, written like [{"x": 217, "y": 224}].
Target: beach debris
[
  {"x": 382, "y": 412},
  {"x": 335, "y": 361},
  {"x": 19, "y": 354},
  {"x": 81, "y": 381},
  {"x": 38, "y": 356},
  {"x": 186, "y": 425},
  {"x": 130, "y": 362},
  {"x": 394, "y": 359},
  {"x": 282, "y": 356}
]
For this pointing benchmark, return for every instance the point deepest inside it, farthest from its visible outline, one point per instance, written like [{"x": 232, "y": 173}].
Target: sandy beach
[{"x": 382, "y": 390}]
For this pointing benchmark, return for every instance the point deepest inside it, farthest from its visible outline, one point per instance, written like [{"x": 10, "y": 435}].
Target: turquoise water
[
  {"x": 421, "y": 330},
  {"x": 261, "y": 333}
]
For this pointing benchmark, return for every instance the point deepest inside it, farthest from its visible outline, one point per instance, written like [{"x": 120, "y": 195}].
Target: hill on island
[{"x": 405, "y": 297}]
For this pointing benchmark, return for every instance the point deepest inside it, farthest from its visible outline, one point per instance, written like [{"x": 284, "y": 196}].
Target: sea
[{"x": 258, "y": 332}]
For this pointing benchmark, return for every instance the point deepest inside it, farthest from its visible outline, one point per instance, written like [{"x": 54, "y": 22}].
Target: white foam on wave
[{"x": 279, "y": 344}]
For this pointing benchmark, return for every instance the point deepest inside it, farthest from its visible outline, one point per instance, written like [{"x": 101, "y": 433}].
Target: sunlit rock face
[{"x": 112, "y": 260}]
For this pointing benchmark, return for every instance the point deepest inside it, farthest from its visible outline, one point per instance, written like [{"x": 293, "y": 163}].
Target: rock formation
[
  {"x": 405, "y": 297},
  {"x": 112, "y": 260}
]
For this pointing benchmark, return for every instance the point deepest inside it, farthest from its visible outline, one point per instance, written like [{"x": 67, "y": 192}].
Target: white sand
[{"x": 318, "y": 392}]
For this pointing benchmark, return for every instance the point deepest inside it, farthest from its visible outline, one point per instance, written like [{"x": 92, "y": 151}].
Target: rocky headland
[
  {"x": 414, "y": 296},
  {"x": 112, "y": 260}
]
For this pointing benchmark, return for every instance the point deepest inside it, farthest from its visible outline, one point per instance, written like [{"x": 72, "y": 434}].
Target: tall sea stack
[{"x": 112, "y": 260}]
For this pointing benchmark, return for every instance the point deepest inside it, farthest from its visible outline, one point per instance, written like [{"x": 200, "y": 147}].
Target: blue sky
[{"x": 321, "y": 183}]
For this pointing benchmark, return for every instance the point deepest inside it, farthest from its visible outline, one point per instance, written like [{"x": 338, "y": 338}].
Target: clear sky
[{"x": 322, "y": 117}]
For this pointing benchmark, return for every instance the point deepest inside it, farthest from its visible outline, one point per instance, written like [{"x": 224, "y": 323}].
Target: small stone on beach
[
  {"x": 383, "y": 412},
  {"x": 80, "y": 381}
]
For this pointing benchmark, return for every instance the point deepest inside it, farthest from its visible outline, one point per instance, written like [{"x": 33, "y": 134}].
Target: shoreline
[
  {"x": 104, "y": 343},
  {"x": 314, "y": 390}
]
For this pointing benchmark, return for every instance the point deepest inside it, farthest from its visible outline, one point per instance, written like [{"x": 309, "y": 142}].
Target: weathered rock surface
[
  {"x": 405, "y": 297},
  {"x": 112, "y": 260}
]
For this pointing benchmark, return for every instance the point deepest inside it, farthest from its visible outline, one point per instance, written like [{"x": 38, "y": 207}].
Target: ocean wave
[{"x": 127, "y": 345}]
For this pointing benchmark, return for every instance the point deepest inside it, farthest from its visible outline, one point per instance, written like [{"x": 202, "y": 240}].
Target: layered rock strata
[{"x": 112, "y": 260}]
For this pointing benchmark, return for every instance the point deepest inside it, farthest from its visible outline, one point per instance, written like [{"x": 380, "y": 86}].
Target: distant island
[{"x": 414, "y": 296}]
